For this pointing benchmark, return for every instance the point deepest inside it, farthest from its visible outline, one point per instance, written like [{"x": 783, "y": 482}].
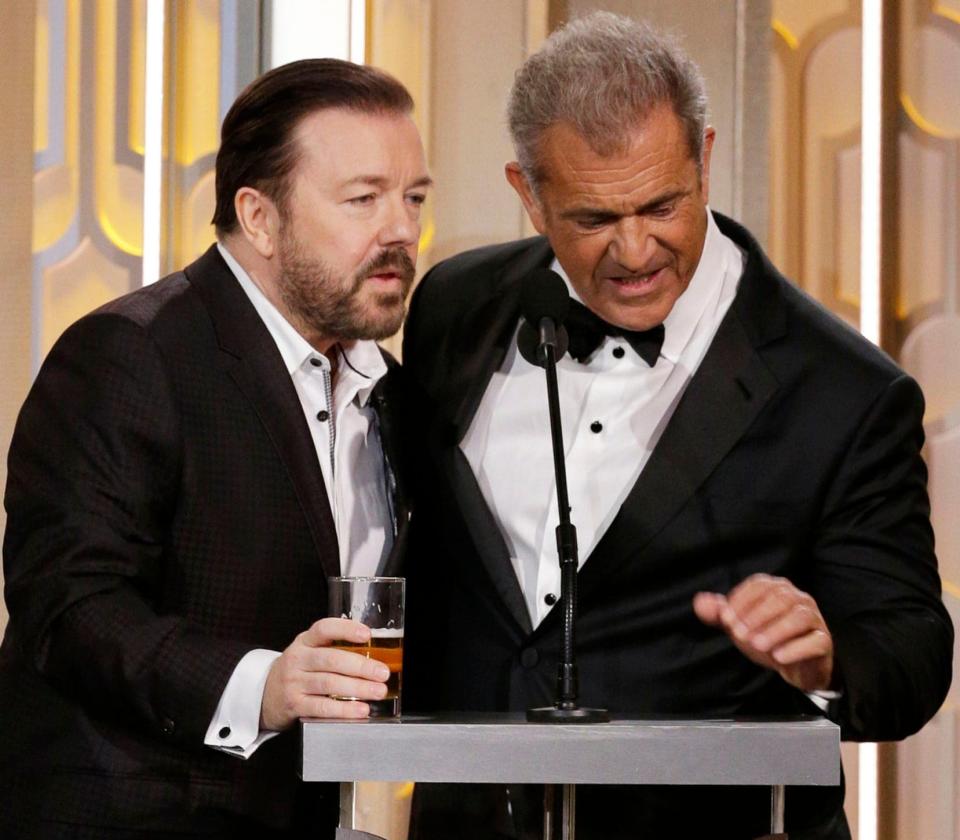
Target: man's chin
[{"x": 383, "y": 324}]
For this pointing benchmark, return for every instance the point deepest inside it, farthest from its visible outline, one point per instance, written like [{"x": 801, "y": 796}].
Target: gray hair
[{"x": 603, "y": 74}]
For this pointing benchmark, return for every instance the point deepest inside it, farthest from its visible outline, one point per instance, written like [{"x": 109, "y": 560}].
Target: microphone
[
  {"x": 544, "y": 303},
  {"x": 541, "y": 341}
]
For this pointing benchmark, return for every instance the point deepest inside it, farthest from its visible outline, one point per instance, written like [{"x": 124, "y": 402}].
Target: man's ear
[
  {"x": 530, "y": 202},
  {"x": 258, "y": 219}
]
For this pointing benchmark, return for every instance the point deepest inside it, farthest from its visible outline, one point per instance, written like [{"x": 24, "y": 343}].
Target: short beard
[{"x": 333, "y": 309}]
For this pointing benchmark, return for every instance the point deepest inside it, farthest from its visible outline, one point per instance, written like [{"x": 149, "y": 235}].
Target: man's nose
[
  {"x": 401, "y": 225},
  {"x": 632, "y": 246}
]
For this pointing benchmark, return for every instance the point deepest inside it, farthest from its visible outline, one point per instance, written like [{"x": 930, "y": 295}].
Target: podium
[{"x": 506, "y": 748}]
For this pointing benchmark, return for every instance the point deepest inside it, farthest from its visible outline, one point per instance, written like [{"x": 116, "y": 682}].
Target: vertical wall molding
[{"x": 751, "y": 180}]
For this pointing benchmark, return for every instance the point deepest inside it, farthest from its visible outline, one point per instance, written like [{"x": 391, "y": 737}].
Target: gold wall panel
[
  {"x": 56, "y": 181},
  {"x": 118, "y": 187},
  {"x": 196, "y": 211},
  {"x": 399, "y": 36},
  {"x": 77, "y": 284},
  {"x": 88, "y": 183},
  {"x": 814, "y": 143},
  {"x": 137, "y": 70},
  {"x": 928, "y": 328},
  {"x": 196, "y": 83}
]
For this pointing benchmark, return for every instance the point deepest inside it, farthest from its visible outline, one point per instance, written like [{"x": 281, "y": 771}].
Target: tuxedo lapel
[
  {"x": 484, "y": 341},
  {"x": 254, "y": 363},
  {"x": 486, "y": 336},
  {"x": 725, "y": 395}
]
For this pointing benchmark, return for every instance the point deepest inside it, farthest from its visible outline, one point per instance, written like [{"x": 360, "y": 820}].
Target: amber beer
[
  {"x": 377, "y": 602},
  {"x": 385, "y": 646}
]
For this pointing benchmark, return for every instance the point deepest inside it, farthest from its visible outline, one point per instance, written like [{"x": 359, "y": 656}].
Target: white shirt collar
[
  {"x": 361, "y": 365},
  {"x": 720, "y": 254}
]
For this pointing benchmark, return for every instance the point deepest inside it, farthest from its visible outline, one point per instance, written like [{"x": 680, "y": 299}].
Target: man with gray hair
[{"x": 744, "y": 470}]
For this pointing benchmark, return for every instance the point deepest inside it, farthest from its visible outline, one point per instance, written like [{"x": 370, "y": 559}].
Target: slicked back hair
[
  {"x": 603, "y": 74},
  {"x": 258, "y": 146}
]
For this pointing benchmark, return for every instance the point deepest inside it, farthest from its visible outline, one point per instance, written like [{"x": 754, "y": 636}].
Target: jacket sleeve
[
  {"x": 876, "y": 578},
  {"x": 93, "y": 483}
]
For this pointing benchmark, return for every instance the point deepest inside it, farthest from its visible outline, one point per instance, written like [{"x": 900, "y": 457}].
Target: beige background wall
[{"x": 16, "y": 171}]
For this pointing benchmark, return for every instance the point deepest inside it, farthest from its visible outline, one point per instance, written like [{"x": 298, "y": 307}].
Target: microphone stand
[{"x": 566, "y": 708}]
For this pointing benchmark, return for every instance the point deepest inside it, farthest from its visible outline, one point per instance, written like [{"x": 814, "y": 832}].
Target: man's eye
[
  {"x": 416, "y": 198},
  {"x": 662, "y": 211},
  {"x": 362, "y": 200},
  {"x": 593, "y": 222}
]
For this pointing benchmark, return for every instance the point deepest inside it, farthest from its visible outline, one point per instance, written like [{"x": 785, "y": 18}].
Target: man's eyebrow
[
  {"x": 602, "y": 213},
  {"x": 380, "y": 182}
]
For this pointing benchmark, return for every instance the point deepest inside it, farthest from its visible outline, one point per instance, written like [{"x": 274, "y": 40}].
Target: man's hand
[
  {"x": 775, "y": 625},
  {"x": 301, "y": 681}
]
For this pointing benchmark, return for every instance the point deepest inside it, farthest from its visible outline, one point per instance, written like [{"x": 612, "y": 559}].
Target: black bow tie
[{"x": 587, "y": 330}]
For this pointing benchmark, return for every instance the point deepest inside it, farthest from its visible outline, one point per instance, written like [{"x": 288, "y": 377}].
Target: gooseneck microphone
[
  {"x": 542, "y": 340},
  {"x": 544, "y": 303}
]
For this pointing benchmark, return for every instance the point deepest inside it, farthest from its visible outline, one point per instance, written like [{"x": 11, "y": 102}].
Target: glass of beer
[{"x": 378, "y": 603}]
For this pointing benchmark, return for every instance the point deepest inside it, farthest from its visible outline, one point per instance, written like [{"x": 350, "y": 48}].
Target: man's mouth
[
  {"x": 637, "y": 281},
  {"x": 386, "y": 274}
]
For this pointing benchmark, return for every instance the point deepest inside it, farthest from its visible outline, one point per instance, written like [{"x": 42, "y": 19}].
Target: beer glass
[{"x": 378, "y": 603}]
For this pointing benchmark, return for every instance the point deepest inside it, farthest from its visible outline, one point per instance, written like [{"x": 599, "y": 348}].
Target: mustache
[{"x": 391, "y": 259}]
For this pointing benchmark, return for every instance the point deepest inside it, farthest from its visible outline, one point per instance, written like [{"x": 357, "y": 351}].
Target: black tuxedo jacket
[
  {"x": 166, "y": 514},
  {"x": 794, "y": 451}
]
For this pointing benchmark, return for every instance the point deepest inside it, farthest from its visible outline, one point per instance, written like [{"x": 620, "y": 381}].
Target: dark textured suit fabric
[
  {"x": 794, "y": 450},
  {"x": 166, "y": 514}
]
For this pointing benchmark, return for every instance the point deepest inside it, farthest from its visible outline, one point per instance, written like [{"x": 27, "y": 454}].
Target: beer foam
[{"x": 386, "y": 633}]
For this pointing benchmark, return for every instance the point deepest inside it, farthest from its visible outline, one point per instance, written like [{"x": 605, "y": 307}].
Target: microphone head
[{"x": 544, "y": 295}]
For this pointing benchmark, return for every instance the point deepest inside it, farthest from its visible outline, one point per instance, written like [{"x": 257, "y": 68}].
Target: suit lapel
[
  {"x": 253, "y": 361},
  {"x": 485, "y": 340},
  {"x": 485, "y": 337},
  {"x": 725, "y": 395}
]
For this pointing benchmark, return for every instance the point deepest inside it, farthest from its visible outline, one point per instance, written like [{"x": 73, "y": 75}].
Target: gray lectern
[{"x": 505, "y": 748}]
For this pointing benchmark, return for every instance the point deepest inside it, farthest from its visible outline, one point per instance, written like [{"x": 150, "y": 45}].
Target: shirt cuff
[
  {"x": 824, "y": 699},
  {"x": 235, "y": 728}
]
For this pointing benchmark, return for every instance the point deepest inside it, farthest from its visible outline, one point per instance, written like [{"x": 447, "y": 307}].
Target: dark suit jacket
[
  {"x": 166, "y": 514},
  {"x": 794, "y": 450}
]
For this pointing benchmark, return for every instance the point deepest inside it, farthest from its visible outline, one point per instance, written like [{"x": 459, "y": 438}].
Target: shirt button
[
  {"x": 315, "y": 362},
  {"x": 323, "y": 415},
  {"x": 618, "y": 352},
  {"x": 596, "y": 427},
  {"x": 529, "y": 657},
  {"x": 549, "y": 599},
  {"x": 224, "y": 732}
]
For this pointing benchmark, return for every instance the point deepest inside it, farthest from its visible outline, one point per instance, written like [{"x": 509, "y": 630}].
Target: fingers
[
  {"x": 775, "y": 625},
  {"x": 309, "y": 676},
  {"x": 339, "y": 661},
  {"x": 328, "y": 707},
  {"x": 339, "y": 686},
  {"x": 708, "y": 606},
  {"x": 328, "y": 630}
]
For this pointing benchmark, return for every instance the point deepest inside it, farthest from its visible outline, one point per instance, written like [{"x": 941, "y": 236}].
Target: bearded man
[{"x": 191, "y": 464}]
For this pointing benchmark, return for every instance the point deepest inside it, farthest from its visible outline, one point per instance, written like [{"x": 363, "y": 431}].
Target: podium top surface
[{"x": 506, "y": 748}]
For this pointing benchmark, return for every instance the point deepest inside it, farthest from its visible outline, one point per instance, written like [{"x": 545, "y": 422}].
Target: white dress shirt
[
  {"x": 343, "y": 426},
  {"x": 614, "y": 408}
]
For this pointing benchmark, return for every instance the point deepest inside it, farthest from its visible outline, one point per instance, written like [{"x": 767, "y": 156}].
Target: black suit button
[
  {"x": 224, "y": 732},
  {"x": 529, "y": 657},
  {"x": 549, "y": 599},
  {"x": 618, "y": 352},
  {"x": 596, "y": 427},
  {"x": 167, "y": 726},
  {"x": 323, "y": 415}
]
